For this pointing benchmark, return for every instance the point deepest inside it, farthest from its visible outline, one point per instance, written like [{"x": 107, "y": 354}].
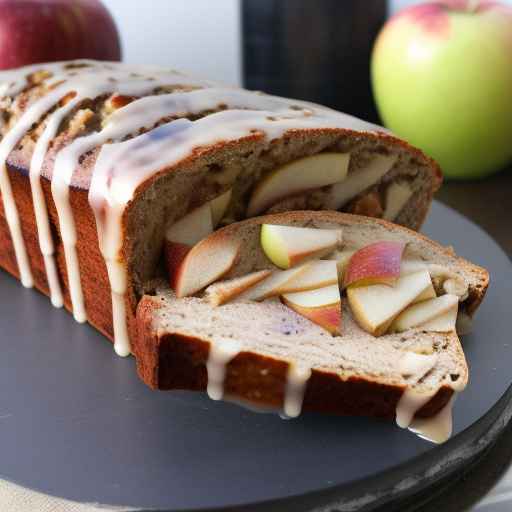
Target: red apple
[
  {"x": 34, "y": 31},
  {"x": 377, "y": 263}
]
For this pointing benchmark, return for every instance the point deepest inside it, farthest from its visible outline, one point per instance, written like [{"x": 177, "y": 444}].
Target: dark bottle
[{"x": 316, "y": 50}]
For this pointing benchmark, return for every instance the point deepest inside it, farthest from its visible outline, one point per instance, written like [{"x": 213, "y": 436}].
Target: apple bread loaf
[
  {"x": 98, "y": 159},
  {"x": 229, "y": 333}
]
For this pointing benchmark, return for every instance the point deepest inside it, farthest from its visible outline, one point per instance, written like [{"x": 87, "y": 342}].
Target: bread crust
[{"x": 173, "y": 361}]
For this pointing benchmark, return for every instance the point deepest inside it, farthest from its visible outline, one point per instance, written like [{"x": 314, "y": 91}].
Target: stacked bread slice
[{"x": 412, "y": 368}]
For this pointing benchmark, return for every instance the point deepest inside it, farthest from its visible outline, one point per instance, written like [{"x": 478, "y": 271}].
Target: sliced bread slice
[{"x": 267, "y": 353}]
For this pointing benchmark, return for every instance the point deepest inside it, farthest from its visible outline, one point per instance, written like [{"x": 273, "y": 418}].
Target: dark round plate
[{"x": 76, "y": 422}]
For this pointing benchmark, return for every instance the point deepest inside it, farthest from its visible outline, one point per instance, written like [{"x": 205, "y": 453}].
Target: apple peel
[
  {"x": 174, "y": 254},
  {"x": 377, "y": 263},
  {"x": 286, "y": 246},
  {"x": 321, "y": 306}
]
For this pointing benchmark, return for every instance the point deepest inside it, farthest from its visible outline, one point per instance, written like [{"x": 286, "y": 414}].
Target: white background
[{"x": 198, "y": 36}]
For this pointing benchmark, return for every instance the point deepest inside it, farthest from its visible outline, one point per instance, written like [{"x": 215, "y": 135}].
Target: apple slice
[
  {"x": 270, "y": 286},
  {"x": 205, "y": 263},
  {"x": 322, "y": 306},
  {"x": 444, "y": 323},
  {"x": 374, "y": 307},
  {"x": 411, "y": 266},
  {"x": 182, "y": 235},
  {"x": 285, "y": 246},
  {"x": 358, "y": 181},
  {"x": 417, "y": 314},
  {"x": 223, "y": 291},
  {"x": 219, "y": 206},
  {"x": 174, "y": 254},
  {"x": 317, "y": 274},
  {"x": 397, "y": 196},
  {"x": 193, "y": 227},
  {"x": 377, "y": 263},
  {"x": 429, "y": 293},
  {"x": 298, "y": 176}
]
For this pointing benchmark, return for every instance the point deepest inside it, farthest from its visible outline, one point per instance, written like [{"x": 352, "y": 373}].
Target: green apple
[{"x": 442, "y": 79}]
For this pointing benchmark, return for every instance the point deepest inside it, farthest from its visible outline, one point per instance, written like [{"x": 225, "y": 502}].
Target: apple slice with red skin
[
  {"x": 182, "y": 235},
  {"x": 190, "y": 229},
  {"x": 377, "y": 263},
  {"x": 321, "y": 306},
  {"x": 174, "y": 254},
  {"x": 285, "y": 246}
]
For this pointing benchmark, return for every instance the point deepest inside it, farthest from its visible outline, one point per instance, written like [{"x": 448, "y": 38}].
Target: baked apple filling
[
  {"x": 326, "y": 180},
  {"x": 314, "y": 272}
]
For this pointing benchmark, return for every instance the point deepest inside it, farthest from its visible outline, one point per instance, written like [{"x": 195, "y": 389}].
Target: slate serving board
[{"x": 76, "y": 422}]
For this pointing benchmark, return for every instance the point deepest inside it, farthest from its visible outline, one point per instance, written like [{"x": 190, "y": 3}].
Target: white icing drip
[
  {"x": 219, "y": 356},
  {"x": 89, "y": 84},
  {"x": 410, "y": 402},
  {"x": 438, "y": 428},
  {"x": 99, "y": 83},
  {"x": 296, "y": 382},
  {"x": 41, "y": 212},
  {"x": 13, "y": 222}
]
